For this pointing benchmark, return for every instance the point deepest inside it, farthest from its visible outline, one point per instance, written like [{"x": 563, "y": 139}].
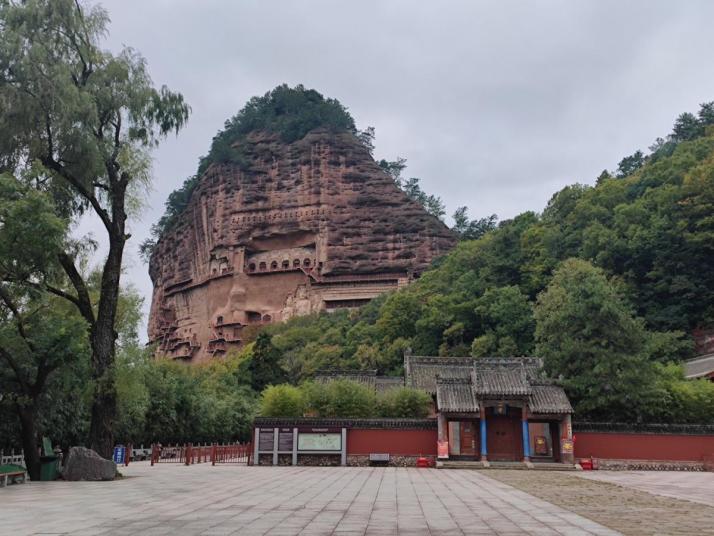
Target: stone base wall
[
  {"x": 322, "y": 460},
  {"x": 648, "y": 465},
  {"x": 330, "y": 460},
  {"x": 356, "y": 460}
]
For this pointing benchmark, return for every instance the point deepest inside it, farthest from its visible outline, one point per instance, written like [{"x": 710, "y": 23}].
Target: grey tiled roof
[
  {"x": 455, "y": 395},
  {"x": 385, "y": 383},
  {"x": 461, "y": 382},
  {"x": 494, "y": 375},
  {"x": 546, "y": 398},
  {"x": 361, "y": 376},
  {"x": 422, "y": 371},
  {"x": 494, "y": 380},
  {"x": 699, "y": 366}
]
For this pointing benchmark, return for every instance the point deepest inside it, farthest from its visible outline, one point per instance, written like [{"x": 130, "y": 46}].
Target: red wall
[
  {"x": 644, "y": 446},
  {"x": 396, "y": 442}
]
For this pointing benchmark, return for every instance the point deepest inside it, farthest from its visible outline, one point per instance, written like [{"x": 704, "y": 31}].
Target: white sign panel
[{"x": 319, "y": 441}]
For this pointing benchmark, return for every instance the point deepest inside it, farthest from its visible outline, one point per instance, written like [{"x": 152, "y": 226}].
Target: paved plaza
[
  {"x": 634, "y": 503},
  {"x": 690, "y": 486},
  {"x": 200, "y": 499}
]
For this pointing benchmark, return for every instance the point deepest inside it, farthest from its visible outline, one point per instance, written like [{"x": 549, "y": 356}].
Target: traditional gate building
[
  {"x": 488, "y": 409},
  {"x": 495, "y": 409}
]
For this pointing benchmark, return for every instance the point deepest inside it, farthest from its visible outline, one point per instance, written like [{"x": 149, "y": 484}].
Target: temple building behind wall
[
  {"x": 488, "y": 409},
  {"x": 495, "y": 409}
]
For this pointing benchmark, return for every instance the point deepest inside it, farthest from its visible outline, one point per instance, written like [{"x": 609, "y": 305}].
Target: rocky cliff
[{"x": 294, "y": 228}]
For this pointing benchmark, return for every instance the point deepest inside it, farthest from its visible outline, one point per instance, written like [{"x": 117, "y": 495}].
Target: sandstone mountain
[{"x": 293, "y": 228}]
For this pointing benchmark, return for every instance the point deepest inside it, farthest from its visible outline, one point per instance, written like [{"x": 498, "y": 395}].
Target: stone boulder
[{"x": 85, "y": 464}]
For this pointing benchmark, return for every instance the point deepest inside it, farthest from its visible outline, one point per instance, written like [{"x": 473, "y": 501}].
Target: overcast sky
[{"x": 496, "y": 105}]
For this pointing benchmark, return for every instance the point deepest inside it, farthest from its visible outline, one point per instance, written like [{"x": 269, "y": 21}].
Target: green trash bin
[
  {"x": 49, "y": 469},
  {"x": 49, "y": 462}
]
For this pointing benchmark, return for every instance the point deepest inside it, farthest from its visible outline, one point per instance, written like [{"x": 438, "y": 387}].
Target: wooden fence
[{"x": 189, "y": 454}]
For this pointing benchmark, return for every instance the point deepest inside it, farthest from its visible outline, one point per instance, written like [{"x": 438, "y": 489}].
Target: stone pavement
[
  {"x": 623, "y": 508},
  {"x": 200, "y": 499},
  {"x": 686, "y": 485}
]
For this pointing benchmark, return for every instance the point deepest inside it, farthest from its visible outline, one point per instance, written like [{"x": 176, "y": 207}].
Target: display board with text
[{"x": 320, "y": 441}]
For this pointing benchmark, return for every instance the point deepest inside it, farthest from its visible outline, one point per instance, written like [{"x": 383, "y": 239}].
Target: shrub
[
  {"x": 350, "y": 399},
  {"x": 317, "y": 398},
  {"x": 404, "y": 402},
  {"x": 282, "y": 401}
]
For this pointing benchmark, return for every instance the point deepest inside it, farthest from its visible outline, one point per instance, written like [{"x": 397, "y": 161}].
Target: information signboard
[
  {"x": 442, "y": 449},
  {"x": 118, "y": 456},
  {"x": 285, "y": 439},
  {"x": 323, "y": 441},
  {"x": 265, "y": 439}
]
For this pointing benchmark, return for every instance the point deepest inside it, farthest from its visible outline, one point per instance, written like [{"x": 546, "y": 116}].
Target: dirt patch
[{"x": 626, "y": 510}]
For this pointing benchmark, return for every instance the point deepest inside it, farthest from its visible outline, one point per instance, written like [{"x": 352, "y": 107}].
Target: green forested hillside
[{"x": 646, "y": 234}]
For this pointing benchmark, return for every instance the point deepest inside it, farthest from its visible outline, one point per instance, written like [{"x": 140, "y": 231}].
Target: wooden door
[
  {"x": 555, "y": 438},
  {"x": 504, "y": 439},
  {"x": 468, "y": 438}
]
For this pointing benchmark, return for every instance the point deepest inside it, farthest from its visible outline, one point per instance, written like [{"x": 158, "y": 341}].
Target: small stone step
[
  {"x": 460, "y": 464},
  {"x": 552, "y": 466},
  {"x": 508, "y": 465},
  {"x": 542, "y": 466}
]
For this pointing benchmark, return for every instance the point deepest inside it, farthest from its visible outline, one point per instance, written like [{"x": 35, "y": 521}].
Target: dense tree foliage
[
  {"x": 41, "y": 335},
  {"x": 262, "y": 366},
  {"x": 467, "y": 229},
  {"x": 79, "y": 122},
  {"x": 169, "y": 402},
  {"x": 587, "y": 334}
]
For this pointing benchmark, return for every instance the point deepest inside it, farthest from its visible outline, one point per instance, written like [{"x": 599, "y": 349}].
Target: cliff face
[{"x": 296, "y": 228}]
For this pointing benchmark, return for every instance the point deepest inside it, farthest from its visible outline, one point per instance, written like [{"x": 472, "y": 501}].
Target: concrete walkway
[
  {"x": 179, "y": 500},
  {"x": 686, "y": 485}
]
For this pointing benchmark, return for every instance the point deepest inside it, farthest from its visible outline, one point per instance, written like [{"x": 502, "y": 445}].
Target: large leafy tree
[
  {"x": 38, "y": 337},
  {"x": 467, "y": 229},
  {"x": 506, "y": 318},
  {"x": 79, "y": 122},
  {"x": 264, "y": 365},
  {"x": 587, "y": 335},
  {"x": 39, "y": 333}
]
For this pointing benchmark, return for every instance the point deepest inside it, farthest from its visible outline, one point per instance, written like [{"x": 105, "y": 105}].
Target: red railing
[
  {"x": 189, "y": 454},
  {"x": 199, "y": 454},
  {"x": 237, "y": 453},
  {"x": 168, "y": 454}
]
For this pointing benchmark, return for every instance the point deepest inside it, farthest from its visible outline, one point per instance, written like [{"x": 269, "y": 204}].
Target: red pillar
[{"x": 566, "y": 440}]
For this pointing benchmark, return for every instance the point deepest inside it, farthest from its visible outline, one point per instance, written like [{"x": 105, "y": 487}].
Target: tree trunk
[
  {"x": 103, "y": 339},
  {"x": 28, "y": 433},
  {"x": 101, "y": 430}
]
